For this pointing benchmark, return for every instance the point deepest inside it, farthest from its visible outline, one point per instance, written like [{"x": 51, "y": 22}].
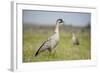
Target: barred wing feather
[{"x": 48, "y": 45}]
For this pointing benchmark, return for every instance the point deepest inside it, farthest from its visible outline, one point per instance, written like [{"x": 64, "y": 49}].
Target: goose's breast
[{"x": 54, "y": 40}]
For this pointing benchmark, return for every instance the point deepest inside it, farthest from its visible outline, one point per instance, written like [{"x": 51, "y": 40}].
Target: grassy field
[{"x": 34, "y": 36}]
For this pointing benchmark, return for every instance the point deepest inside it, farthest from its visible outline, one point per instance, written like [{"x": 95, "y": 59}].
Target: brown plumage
[
  {"x": 75, "y": 40},
  {"x": 52, "y": 41}
]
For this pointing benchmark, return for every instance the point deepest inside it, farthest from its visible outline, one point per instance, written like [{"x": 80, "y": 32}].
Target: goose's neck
[
  {"x": 73, "y": 35},
  {"x": 57, "y": 28}
]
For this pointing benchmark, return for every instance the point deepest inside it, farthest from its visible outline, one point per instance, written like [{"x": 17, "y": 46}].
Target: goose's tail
[
  {"x": 36, "y": 53},
  {"x": 39, "y": 49}
]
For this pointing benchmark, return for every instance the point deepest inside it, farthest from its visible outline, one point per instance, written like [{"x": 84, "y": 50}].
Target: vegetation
[{"x": 34, "y": 36}]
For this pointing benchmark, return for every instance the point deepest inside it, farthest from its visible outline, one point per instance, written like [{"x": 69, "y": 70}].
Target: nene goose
[
  {"x": 52, "y": 41},
  {"x": 75, "y": 40}
]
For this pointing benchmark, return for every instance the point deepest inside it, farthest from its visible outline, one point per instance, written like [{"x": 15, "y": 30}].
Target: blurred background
[
  {"x": 49, "y": 18},
  {"x": 39, "y": 25}
]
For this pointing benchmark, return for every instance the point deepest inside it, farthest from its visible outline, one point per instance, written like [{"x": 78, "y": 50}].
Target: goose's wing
[
  {"x": 75, "y": 41},
  {"x": 46, "y": 45}
]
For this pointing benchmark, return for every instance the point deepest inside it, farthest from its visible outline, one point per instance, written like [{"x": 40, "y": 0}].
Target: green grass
[{"x": 32, "y": 40}]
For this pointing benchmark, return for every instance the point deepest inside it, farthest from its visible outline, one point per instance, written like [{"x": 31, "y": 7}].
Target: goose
[
  {"x": 75, "y": 40},
  {"x": 52, "y": 41}
]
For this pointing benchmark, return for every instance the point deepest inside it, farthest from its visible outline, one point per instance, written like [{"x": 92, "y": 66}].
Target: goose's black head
[{"x": 60, "y": 21}]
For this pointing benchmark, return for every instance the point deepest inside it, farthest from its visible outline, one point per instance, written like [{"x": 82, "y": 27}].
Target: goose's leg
[
  {"x": 52, "y": 52},
  {"x": 49, "y": 50}
]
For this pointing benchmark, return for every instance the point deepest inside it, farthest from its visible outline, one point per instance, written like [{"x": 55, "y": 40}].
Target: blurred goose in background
[
  {"x": 52, "y": 41},
  {"x": 75, "y": 40}
]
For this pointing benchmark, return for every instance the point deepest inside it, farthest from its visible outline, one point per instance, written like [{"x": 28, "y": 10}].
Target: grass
[{"x": 34, "y": 37}]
